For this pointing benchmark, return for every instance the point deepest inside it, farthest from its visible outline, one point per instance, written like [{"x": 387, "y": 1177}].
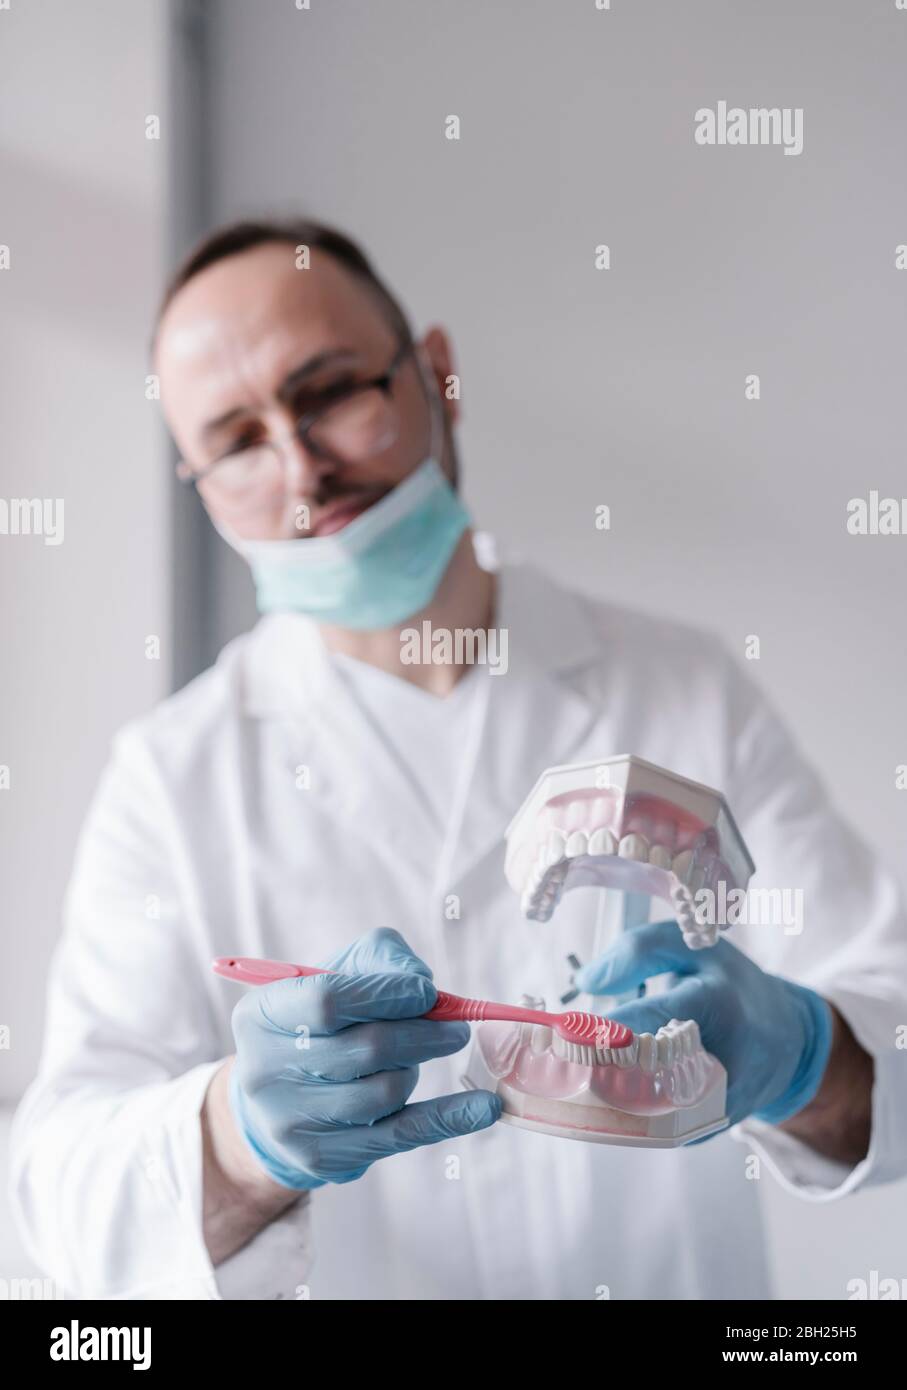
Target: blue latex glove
[
  {"x": 772, "y": 1036},
  {"x": 325, "y": 1065}
]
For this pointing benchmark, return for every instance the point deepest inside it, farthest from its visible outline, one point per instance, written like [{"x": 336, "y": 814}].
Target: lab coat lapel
[
  {"x": 354, "y": 777},
  {"x": 535, "y": 718},
  {"x": 530, "y": 725}
]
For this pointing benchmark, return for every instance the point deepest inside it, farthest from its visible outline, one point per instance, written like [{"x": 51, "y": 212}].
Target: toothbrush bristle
[{"x": 590, "y": 1030}]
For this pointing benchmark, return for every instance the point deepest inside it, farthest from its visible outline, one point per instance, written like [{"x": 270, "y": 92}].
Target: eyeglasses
[{"x": 351, "y": 425}]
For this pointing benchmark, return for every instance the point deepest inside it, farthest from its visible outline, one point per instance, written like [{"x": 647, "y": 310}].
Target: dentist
[{"x": 313, "y": 797}]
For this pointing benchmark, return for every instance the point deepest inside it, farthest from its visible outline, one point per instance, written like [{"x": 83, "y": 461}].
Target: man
[{"x": 314, "y": 798}]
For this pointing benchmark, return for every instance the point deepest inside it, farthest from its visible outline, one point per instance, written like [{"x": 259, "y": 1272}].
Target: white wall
[
  {"x": 81, "y": 210},
  {"x": 626, "y": 387}
]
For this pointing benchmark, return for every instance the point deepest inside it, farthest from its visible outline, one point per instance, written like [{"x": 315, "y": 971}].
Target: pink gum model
[{"x": 662, "y": 1091}]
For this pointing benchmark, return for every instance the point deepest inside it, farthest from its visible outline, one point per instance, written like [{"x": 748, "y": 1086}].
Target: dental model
[
  {"x": 576, "y": 1075},
  {"x": 617, "y": 824},
  {"x": 624, "y": 823},
  {"x": 660, "y": 1091}
]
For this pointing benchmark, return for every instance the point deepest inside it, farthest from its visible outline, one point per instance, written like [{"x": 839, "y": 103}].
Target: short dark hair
[{"x": 296, "y": 231}]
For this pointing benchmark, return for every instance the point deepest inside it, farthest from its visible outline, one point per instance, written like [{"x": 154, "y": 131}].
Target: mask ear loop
[{"x": 435, "y": 407}]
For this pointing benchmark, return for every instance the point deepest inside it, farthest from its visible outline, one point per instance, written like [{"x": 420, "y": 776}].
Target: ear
[{"x": 439, "y": 352}]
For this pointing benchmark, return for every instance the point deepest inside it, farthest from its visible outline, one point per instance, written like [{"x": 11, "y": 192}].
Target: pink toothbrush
[{"x": 583, "y": 1030}]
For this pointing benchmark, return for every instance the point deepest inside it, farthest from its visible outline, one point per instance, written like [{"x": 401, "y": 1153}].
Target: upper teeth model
[
  {"x": 661, "y": 1091},
  {"x": 624, "y": 823}
]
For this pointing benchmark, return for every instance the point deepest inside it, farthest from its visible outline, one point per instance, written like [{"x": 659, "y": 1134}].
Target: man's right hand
[{"x": 325, "y": 1065}]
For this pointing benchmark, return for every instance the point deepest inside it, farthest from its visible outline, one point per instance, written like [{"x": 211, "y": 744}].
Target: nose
[{"x": 303, "y": 470}]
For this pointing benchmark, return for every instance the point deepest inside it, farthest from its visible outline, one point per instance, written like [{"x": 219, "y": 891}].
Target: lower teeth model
[
  {"x": 661, "y": 1091},
  {"x": 624, "y": 823},
  {"x": 620, "y": 824}
]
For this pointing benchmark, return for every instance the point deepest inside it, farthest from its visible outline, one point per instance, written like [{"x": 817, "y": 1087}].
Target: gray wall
[
  {"x": 627, "y": 387},
  {"x": 82, "y": 196},
  {"x": 82, "y": 210}
]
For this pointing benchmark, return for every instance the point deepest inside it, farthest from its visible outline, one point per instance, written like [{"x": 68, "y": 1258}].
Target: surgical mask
[{"x": 381, "y": 568}]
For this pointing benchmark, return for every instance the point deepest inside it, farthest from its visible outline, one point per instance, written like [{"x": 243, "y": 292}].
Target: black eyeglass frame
[{"x": 384, "y": 383}]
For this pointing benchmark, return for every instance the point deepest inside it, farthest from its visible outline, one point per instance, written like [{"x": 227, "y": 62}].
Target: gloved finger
[
  {"x": 651, "y": 949},
  {"x": 378, "y": 952},
  {"x": 424, "y": 1122},
  {"x": 691, "y": 998},
  {"x": 343, "y": 1105},
  {"x": 366, "y": 1048},
  {"x": 319, "y": 1004}
]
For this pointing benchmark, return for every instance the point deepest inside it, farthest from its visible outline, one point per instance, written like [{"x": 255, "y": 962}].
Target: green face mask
[{"x": 380, "y": 569}]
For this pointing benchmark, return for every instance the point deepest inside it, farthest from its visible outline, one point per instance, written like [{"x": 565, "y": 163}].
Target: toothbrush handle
[
  {"x": 452, "y": 1007},
  {"x": 449, "y": 1007},
  {"x": 252, "y": 971}
]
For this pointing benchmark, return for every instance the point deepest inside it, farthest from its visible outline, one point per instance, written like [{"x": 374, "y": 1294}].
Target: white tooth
[
  {"x": 648, "y": 1051},
  {"x": 688, "y": 1038},
  {"x": 577, "y": 843},
  {"x": 626, "y": 1056},
  {"x": 601, "y": 841},
  {"x": 634, "y": 847},
  {"x": 554, "y": 850},
  {"x": 660, "y": 857},
  {"x": 540, "y": 1039},
  {"x": 681, "y": 863},
  {"x": 695, "y": 1039},
  {"x": 665, "y": 1043}
]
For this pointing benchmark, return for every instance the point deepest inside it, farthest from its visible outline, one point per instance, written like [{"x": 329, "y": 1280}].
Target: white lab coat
[{"x": 203, "y": 840}]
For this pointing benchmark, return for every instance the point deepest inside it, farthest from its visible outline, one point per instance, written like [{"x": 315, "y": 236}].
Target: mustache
[{"x": 329, "y": 494}]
